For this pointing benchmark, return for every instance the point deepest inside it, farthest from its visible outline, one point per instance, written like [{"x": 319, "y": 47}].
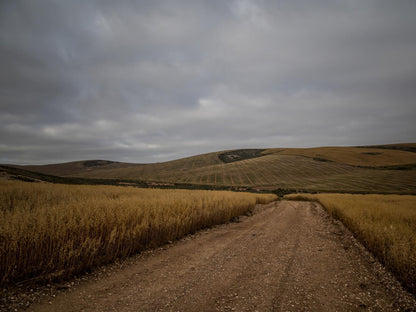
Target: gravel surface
[{"x": 288, "y": 256}]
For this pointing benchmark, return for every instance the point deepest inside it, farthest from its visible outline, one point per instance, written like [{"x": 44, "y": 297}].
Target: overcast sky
[{"x": 149, "y": 81}]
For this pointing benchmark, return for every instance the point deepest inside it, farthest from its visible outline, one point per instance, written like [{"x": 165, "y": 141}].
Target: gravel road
[{"x": 288, "y": 256}]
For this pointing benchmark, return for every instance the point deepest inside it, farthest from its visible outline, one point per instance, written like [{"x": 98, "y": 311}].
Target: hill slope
[{"x": 387, "y": 168}]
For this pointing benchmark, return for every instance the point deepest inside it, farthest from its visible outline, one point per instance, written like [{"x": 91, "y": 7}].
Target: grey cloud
[{"x": 145, "y": 81}]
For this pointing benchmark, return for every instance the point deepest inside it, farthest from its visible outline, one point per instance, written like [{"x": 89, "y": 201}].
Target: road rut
[{"x": 288, "y": 256}]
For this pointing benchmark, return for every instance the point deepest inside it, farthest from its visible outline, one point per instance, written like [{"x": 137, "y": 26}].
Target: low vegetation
[
  {"x": 355, "y": 156},
  {"x": 389, "y": 169},
  {"x": 52, "y": 231},
  {"x": 385, "y": 224},
  {"x": 13, "y": 173},
  {"x": 408, "y": 147},
  {"x": 270, "y": 171},
  {"x": 238, "y": 155}
]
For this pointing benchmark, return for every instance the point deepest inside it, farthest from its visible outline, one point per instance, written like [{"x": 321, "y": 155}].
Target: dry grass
[
  {"x": 305, "y": 169},
  {"x": 386, "y": 224},
  {"x": 274, "y": 170},
  {"x": 52, "y": 231},
  {"x": 355, "y": 156}
]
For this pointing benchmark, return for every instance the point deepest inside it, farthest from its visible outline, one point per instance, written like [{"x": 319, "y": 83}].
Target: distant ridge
[
  {"x": 408, "y": 147},
  {"x": 381, "y": 168}
]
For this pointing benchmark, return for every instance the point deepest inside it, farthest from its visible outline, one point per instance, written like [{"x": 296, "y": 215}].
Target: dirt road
[{"x": 288, "y": 256}]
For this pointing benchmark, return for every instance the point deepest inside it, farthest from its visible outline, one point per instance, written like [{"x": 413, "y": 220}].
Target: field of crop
[
  {"x": 54, "y": 231},
  {"x": 354, "y": 156},
  {"x": 386, "y": 169},
  {"x": 385, "y": 224},
  {"x": 273, "y": 171}
]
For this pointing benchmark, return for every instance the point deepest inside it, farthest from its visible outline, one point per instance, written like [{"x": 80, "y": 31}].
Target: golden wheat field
[
  {"x": 54, "y": 231},
  {"x": 386, "y": 224}
]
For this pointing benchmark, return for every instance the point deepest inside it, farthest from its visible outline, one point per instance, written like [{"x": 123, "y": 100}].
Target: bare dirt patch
[{"x": 289, "y": 256}]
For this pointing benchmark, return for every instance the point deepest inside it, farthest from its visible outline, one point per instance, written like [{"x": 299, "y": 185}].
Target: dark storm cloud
[{"x": 148, "y": 81}]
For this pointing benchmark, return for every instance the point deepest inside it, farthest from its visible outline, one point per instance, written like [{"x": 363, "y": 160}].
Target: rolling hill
[{"x": 373, "y": 169}]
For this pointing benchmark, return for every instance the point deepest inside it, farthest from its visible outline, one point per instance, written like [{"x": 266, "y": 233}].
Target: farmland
[
  {"x": 384, "y": 223},
  {"x": 381, "y": 169},
  {"x": 54, "y": 231}
]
